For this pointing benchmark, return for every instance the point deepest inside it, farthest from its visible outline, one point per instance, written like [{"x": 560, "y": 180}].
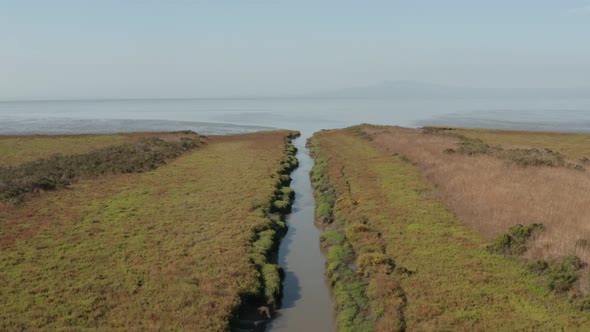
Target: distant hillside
[{"x": 414, "y": 89}]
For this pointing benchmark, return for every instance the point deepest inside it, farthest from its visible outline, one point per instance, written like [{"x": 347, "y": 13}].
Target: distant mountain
[{"x": 414, "y": 89}]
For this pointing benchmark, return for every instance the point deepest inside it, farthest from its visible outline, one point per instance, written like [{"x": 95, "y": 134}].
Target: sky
[{"x": 167, "y": 49}]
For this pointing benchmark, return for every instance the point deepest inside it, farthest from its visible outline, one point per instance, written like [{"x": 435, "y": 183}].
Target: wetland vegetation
[
  {"x": 187, "y": 243},
  {"x": 425, "y": 229},
  {"x": 424, "y": 235}
]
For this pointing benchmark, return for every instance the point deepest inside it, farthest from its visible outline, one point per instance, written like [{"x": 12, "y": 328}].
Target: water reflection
[{"x": 306, "y": 304}]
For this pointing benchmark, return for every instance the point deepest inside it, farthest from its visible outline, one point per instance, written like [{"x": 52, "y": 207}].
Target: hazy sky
[{"x": 103, "y": 48}]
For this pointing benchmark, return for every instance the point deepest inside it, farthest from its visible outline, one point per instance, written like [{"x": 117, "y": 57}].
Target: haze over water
[{"x": 305, "y": 114}]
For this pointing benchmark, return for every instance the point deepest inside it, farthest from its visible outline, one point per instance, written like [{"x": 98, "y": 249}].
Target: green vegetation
[
  {"x": 324, "y": 192},
  {"x": 186, "y": 246},
  {"x": 30, "y": 148},
  {"x": 560, "y": 275},
  {"x": 564, "y": 274},
  {"x": 272, "y": 284},
  {"x": 59, "y": 171},
  {"x": 349, "y": 289},
  {"x": 515, "y": 241},
  {"x": 349, "y": 266},
  {"x": 399, "y": 259}
]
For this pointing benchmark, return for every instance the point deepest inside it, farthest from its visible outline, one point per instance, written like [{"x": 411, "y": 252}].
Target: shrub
[
  {"x": 262, "y": 246},
  {"x": 514, "y": 242},
  {"x": 522, "y": 233},
  {"x": 538, "y": 266},
  {"x": 272, "y": 284},
  {"x": 369, "y": 263},
  {"x": 443, "y": 131},
  {"x": 341, "y": 254},
  {"x": 323, "y": 212},
  {"x": 332, "y": 238},
  {"x": 59, "y": 171},
  {"x": 287, "y": 192},
  {"x": 562, "y": 277},
  {"x": 291, "y": 149},
  {"x": 533, "y": 157},
  {"x": 472, "y": 146},
  {"x": 522, "y": 157},
  {"x": 284, "y": 180},
  {"x": 281, "y": 206}
]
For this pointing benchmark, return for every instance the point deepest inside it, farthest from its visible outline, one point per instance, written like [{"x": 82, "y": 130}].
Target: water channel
[{"x": 306, "y": 304}]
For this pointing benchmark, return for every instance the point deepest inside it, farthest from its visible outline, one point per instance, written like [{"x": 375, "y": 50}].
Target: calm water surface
[
  {"x": 307, "y": 115},
  {"x": 306, "y": 304}
]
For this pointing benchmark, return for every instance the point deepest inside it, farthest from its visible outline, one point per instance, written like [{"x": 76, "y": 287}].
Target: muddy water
[{"x": 306, "y": 304}]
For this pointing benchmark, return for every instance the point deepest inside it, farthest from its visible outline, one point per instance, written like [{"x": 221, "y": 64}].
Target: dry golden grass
[
  {"x": 491, "y": 194},
  {"x": 166, "y": 249}
]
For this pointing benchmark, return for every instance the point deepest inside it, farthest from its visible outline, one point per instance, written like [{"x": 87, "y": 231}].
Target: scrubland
[
  {"x": 422, "y": 229},
  {"x": 20, "y": 149},
  {"x": 492, "y": 194},
  {"x": 574, "y": 146},
  {"x": 187, "y": 245}
]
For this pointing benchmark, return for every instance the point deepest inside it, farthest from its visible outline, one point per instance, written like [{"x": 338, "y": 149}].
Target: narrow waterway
[{"x": 306, "y": 304}]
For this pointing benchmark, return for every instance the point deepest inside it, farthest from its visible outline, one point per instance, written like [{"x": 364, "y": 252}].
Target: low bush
[
  {"x": 323, "y": 212},
  {"x": 519, "y": 156},
  {"x": 371, "y": 263},
  {"x": 562, "y": 276},
  {"x": 59, "y": 171},
  {"x": 262, "y": 246},
  {"x": 271, "y": 274},
  {"x": 284, "y": 180},
  {"x": 340, "y": 254},
  {"x": 472, "y": 146},
  {"x": 280, "y": 206},
  {"x": 443, "y": 131},
  {"x": 287, "y": 192},
  {"x": 515, "y": 241},
  {"x": 538, "y": 266},
  {"x": 532, "y": 157},
  {"x": 332, "y": 238}
]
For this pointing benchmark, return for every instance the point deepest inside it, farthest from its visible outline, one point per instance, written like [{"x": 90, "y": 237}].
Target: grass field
[
  {"x": 180, "y": 247},
  {"x": 19, "y": 149},
  {"x": 400, "y": 258},
  {"x": 574, "y": 146}
]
